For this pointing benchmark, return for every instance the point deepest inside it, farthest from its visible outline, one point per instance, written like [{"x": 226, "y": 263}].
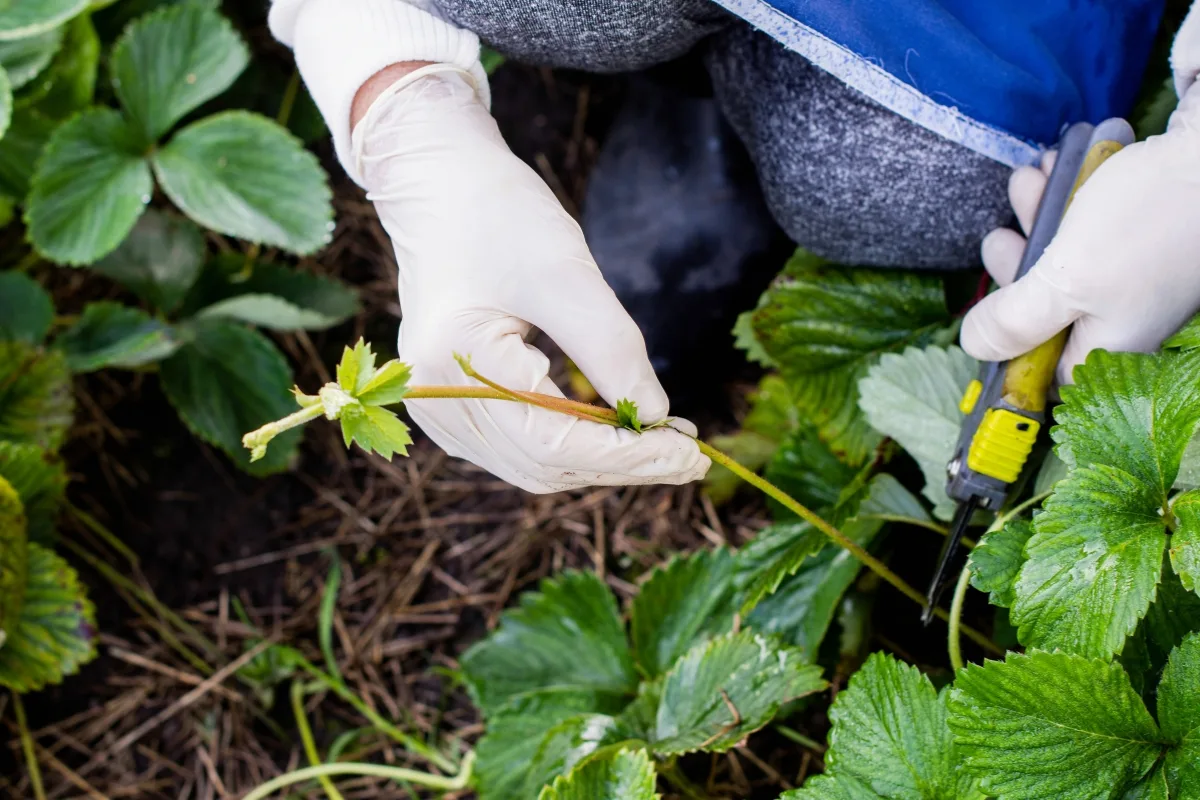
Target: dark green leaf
[
  {"x": 1179, "y": 715},
  {"x": 774, "y": 553},
  {"x": 913, "y": 398},
  {"x": 89, "y": 189},
  {"x": 69, "y": 83},
  {"x": 22, "y": 18},
  {"x": 36, "y": 404},
  {"x": 159, "y": 260},
  {"x": 14, "y": 560},
  {"x": 228, "y": 380},
  {"x": 112, "y": 335},
  {"x": 515, "y": 731},
  {"x": 56, "y": 634},
  {"x": 889, "y": 733},
  {"x": 997, "y": 559},
  {"x": 1157, "y": 111},
  {"x": 1152, "y": 787},
  {"x": 567, "y": 637},
  {"x": 727, "y": 688},
  {"x": 20, "y": 150},
  {"x": 825, "y": 325},
  {"x": 24, "y": 59},
  {"x": 1184, "y": 546},
  {"x": 625, "y": 775},
  {"x": 1044, "y": 725},
  {"x": 245, "y": 176},
  {"x": 806, "y": 469},
  {"x": 227, "y": 277},
  {"x": 684, "y": 603},
  {"x": 570, "y": 743},
  {"x": 26, "y": 310},
  {"x": 40, "y": 479},
  {"x": 170, "y": 61},
  {"x": 1093, "y": 563}
]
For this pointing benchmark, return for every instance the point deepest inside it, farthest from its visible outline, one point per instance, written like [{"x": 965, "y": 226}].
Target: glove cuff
[
  {"x": 1185, "y": 52},
  {"x": 340, "y": 44}
]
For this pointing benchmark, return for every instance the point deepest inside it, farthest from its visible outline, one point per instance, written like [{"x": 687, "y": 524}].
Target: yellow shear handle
[{"x": 1028, "y": 377}]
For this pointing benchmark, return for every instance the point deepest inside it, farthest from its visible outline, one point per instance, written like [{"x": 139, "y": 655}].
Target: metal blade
[{"x": 962, "y": 518}]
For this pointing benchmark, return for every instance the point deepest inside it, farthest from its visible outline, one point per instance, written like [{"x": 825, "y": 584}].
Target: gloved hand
[
  {"x": 1125, "y": 265},
  {"x": 485, "y": 251}
]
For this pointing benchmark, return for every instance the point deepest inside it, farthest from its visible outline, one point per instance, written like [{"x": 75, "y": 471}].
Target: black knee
[
  {"x": 844, "y": 176},
  {"x": 592, "y": 35}
]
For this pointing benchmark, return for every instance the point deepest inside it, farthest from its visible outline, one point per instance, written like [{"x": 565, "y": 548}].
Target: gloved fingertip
[
  {"x": 1025, "y": 188},
  {"x": 982, "y": 337},
  {"x": 651, "y": 399},
  {"x": 1002, "y": 250}
]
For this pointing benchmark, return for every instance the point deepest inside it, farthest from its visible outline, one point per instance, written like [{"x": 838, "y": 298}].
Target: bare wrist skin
[{"x": 376, "y": 85}]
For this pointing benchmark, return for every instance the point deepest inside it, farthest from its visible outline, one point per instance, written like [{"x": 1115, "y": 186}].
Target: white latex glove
[
  {"x": 1125, "y": 265},
  {"x": 485, "y": 252}
]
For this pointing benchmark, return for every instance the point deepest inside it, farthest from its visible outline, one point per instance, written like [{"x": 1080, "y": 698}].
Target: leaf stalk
[{"x": 456, "y": 783}]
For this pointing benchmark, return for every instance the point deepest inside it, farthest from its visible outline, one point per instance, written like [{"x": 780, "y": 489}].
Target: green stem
[
  {"x": 956, "y": 609},
  {"x": 101, "y": 530},
  {"x": 290, "y": 93},
  {"x": 31, "y": 762},
  {"x": 674, "y": 776},
  {"x": 460, "y": 781},
  {"x": 306, "y": 737},
  {"x": 410, "y": 743},
  {"x": 801, "y": 739}
]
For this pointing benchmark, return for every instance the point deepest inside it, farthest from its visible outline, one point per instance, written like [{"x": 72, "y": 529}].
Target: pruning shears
[{"x": 1005, "y": 407}]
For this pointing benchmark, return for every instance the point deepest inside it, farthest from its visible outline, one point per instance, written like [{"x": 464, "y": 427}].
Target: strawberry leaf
[
  {"x": 1179, "y": 715},
  {"x": 14, "y": 560},
  {"x": 375, "y": 430},
  {"x": 159, "y": 261},
  {"x": 624, "y": 775},
  {"x": 997, "y": 559},
  {"x": 26, "y": 310},
  {"x": 40, "y": 480},
  {"x": 627, "y": 415},
  {"x": 112, "y": 335},
  {"x": 36, "y": 404}
]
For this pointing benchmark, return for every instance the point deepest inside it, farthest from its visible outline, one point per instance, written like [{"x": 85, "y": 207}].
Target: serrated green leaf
[
  {"x": 269, "y": 311},
  {"x": 36, "y": 404},
  {"x": 1184, "y": 545},
  {"x": 1152, "y": 787},
  {"x": 22, "y": 18},
  {"x": 515, "y": 731},
  {"x": 159, "y": 261},
  {"x": 801, "y": 609},
  {"x": 1131, "y": 411},
  {"x": 570, "y": 743},
  {"x": 356, "y": 368},
  {"x": 56, "y": 634},
  {"x": 830, "y": 787},
  {"x": 89, "y": 189},
  {"x": 40, "y": 479},
  {"x": 14, "y": 560},
  {"x": 1092, "y": 565},
  {"x": 170, "y": 61},
  {"x": 567, "y": 637},
  {"x": 243, "y": 175},
  {"x": 625, "y": 775},
  {"x": 627, "y": 415},
  {"x": 887, "y": 500},
  {"x": 228, "y": 380},
  {"x": 112, "y": 335},
  {"x": 806, "y": 469},
  {"x": 387, "y": 386},
  {"x": 745, "y": 339},
  {"x": 230, "y": 276},
  {"x": 825, "y": 325},
  {"x": 24, "y": 59},
  {"x": 376, "y": 430},
  {"x": 1186, "y": 338},
  {"x": 26, "y": 310},
  {"x": 1179, "y": 716},
  {"x": 997, "y": 560},
  {"x": 889, "y": 733},
  {"x": 774, "y": 554},
  {"x": 725, "y": 689},
  {"x": 1173, "y": 615},
  {"x": 21, "y": 149},
  {"x": 68, "y": 85},
  {"x": 686, "y": 602},
  {"x": 1043, "y": 725},
  {"x": 913, "y": 398}
]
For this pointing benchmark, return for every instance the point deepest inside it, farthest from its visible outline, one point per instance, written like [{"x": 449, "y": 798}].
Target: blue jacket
[{"x": 1002, "y": 77}]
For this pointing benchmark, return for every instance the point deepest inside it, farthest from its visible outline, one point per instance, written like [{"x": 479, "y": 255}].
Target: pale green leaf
[
  {"x": 6, "y": 102},
  {"x": 14, "y": 560},
  {"x": 744, "y": 339},
  {"x": 90, "y": 187},
  {"x": 269, "y": 311},
  {"x": 886, "y": 499},
  {"x": 172, "y": 60},
  {"x": 889, "y": 733},
  {"x": 686, "y": 602},
  {"x": 1179, "y": 716},
  {"x": 997, "y": 560},
  {"x": 1093, "y": 563},
  {"x": 567, "y": 637},
  {"x": 243, "y": 175},
  {"x": 375, "y": 429},
  {"x": 1044, "y": 725},
  {"x": 515, "y": 733},
  {"x": 806, "y": 469},
  {"x": 40, "y": 479},
  {"x": 357, "y": 367},
  {"x": 159, "y": 261},
  {"x": 26, "y": 310},
  {"x": 36, "y": 403},
  {"x": 387, "y": 386},
  {"x": 1184, "y": 544},
  {"x": 56, "y": 634},
  {"x": 228, "y": 380},
  {"x": 625, "y": 775},
  {"x": 570, "y": 743},
  {"x": 24, "y": 59},
  {"x": 825, "y": 325},
  {"x": 112, "y": 335},
  {"x": 22, "y": 18},
  {"x": 1053, "y": 470},
  {"x": 231, "y": 276},
  {"x": 913, "y": 398},
  {"x": 627, "y": 415},
  {"x": 723, "y": 690}
]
